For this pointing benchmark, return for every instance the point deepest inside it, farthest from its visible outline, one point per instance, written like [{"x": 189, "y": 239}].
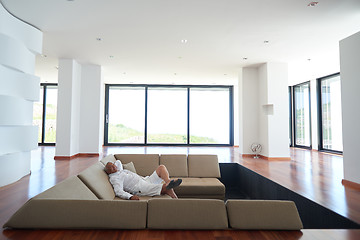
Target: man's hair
[{"x": 106, "y": 168}]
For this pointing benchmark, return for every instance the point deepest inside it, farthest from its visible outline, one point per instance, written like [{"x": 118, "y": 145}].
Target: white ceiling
[{"x": 144, "y": 37}]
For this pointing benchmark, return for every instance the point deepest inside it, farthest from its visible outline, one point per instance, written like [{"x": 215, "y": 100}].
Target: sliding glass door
[
  {"x": 167, "y": 115},
  {"x": 163, "y": 114},
  {"x": 125, "y": 118},
  {"x": 330, "y": 117},
  {"x": 302, "y": 129},
  {"x": 44, "y": 114},
  {"x": 209, "y": 116}
]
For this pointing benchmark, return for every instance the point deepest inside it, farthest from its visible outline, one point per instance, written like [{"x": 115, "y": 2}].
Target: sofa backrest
[
  {"x": 97, "y": 181},
  {"x": 176, "y": 164},
  {"x": 145, "y": 164},
  {"x": 203, "y": 166}
]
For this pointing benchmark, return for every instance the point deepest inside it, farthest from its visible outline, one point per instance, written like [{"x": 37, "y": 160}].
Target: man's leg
[
  {"x": 169, "y": 192},
  {"x": 163, "y": 173}
]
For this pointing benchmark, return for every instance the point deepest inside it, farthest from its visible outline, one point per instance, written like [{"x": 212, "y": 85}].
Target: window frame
[
  {"x": 320, "y": 118},
  {"x": 43, "y": 117},
  {"x": 188, "y": 87},
  {"x": 294, "y": 117}
]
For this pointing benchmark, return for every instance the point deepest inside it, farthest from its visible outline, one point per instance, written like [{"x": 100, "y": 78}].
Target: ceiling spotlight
[
  {"x": 111, "y": 56},
  {"x": 57, "y": 67},
  {"x": 184, "y": 41},
  {"x": 266, "y": 41},
  {"x": 309, "y": 59},
  {"x": 98, "y": 39},
  {"x": 245, "y": 58},
  {"x": 312, "y": 4}
]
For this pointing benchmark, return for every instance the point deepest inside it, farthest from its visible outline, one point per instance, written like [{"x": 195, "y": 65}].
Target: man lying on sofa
[{"x": 129, "y": 185}]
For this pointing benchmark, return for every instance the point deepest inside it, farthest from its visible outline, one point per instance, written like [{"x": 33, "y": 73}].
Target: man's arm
[{"x": 118, "y": 186}]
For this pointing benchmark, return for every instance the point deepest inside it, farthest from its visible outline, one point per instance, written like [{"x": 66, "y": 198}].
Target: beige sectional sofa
[{"x": 87, "y": 201}]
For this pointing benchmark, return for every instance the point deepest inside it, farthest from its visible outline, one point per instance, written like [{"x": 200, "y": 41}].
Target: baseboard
[
  {"x": 351, "y": 184},
  {"x": 268, "y": 158},
  {"x": 76, "y": 156}
]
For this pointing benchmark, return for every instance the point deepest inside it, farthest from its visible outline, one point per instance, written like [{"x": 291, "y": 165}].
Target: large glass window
[
  {"x": 209, "y": 115},
  {"x": 301, "y": 110},
  {"x": 126, "y": 115},
  {"x": 162, "y": 114},
  {"x": 167, "y": 115},
  {"x": 330, "y": 119},
  {"x": 44, "y": 113}
]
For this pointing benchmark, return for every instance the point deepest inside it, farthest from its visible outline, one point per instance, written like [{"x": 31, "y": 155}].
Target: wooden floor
[{"x": 314, "y": 175}]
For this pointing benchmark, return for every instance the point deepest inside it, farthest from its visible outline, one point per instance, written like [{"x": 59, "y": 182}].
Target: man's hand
[{"x": 134, "y": 197}]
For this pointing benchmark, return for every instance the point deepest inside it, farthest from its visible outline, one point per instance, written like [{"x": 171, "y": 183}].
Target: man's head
[{"x": 110, "y": 168}]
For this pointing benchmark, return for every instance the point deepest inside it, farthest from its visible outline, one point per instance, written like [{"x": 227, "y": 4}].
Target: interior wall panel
[{"x": 19, "y": 88}]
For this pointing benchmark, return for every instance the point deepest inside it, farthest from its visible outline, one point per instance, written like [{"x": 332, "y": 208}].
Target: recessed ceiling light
[
  {"x": 184, "y": 41},
  {"x": 98, "y": 39},
  {"x": 245, "y": 58},
  {"x": 309, "y": 59},
  {"x": 111, "y": 56},
  {"x": 312, "y": 4},
  {"x": 266, "y": 41}
]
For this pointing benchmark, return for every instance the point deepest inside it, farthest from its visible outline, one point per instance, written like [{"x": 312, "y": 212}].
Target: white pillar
[
  {"x": 350, "y": 98},
  {"x": 80, "y": 109},
  {"x": 68, "y": 110},
  {"x": 19, "y": 88},
  {"x": 265, "y": 109},
  {"x": 91, "y": 112}
]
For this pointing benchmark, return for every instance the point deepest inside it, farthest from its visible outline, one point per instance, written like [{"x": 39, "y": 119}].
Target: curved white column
[
  {"x": 14, "y": 54},
  {"x": 18, "y": 84},
  {"x": 18, "y": 139},
  {"x": 16, "y": 29},
  {"x": 13, "y": 166},
  {"x": 19, "y": 88},
  {"x": 15, "y": 111}
]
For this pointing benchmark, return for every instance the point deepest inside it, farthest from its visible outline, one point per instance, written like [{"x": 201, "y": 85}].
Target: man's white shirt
[{"x": 124, "y": 182}]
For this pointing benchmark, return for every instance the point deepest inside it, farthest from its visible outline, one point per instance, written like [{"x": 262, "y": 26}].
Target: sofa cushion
[
  {"x": 203, "y": 166},
  {"x": 200, "y": 186},
  {"x": 71, "y": 188},
  {"x": 97, "y": 181},
  {"x": 145, "y": 198},
  {"x": 145, "y": 164},
  {"x": 129, "y": 166},
  {"x": 108, "y": 158},
  {"x": 176, "y": 164},
  {"x": 80, "y": 214},
  {"x": 187, "y": 214},
  {"x": 263, "y": 215}
]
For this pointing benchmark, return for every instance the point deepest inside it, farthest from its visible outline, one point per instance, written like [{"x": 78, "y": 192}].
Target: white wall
[
  {"x": 80, "y": 109},
  {"x": 278, "y": 110},
  {"x": 19, "y": 88},
  {"x": 250, "y": 109},
  {"x": 92, "y": 103},
  {"x": 350, "y": 97},
  {"x": 264, "y": 114},
  {"x": 68, "y": 117}
]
